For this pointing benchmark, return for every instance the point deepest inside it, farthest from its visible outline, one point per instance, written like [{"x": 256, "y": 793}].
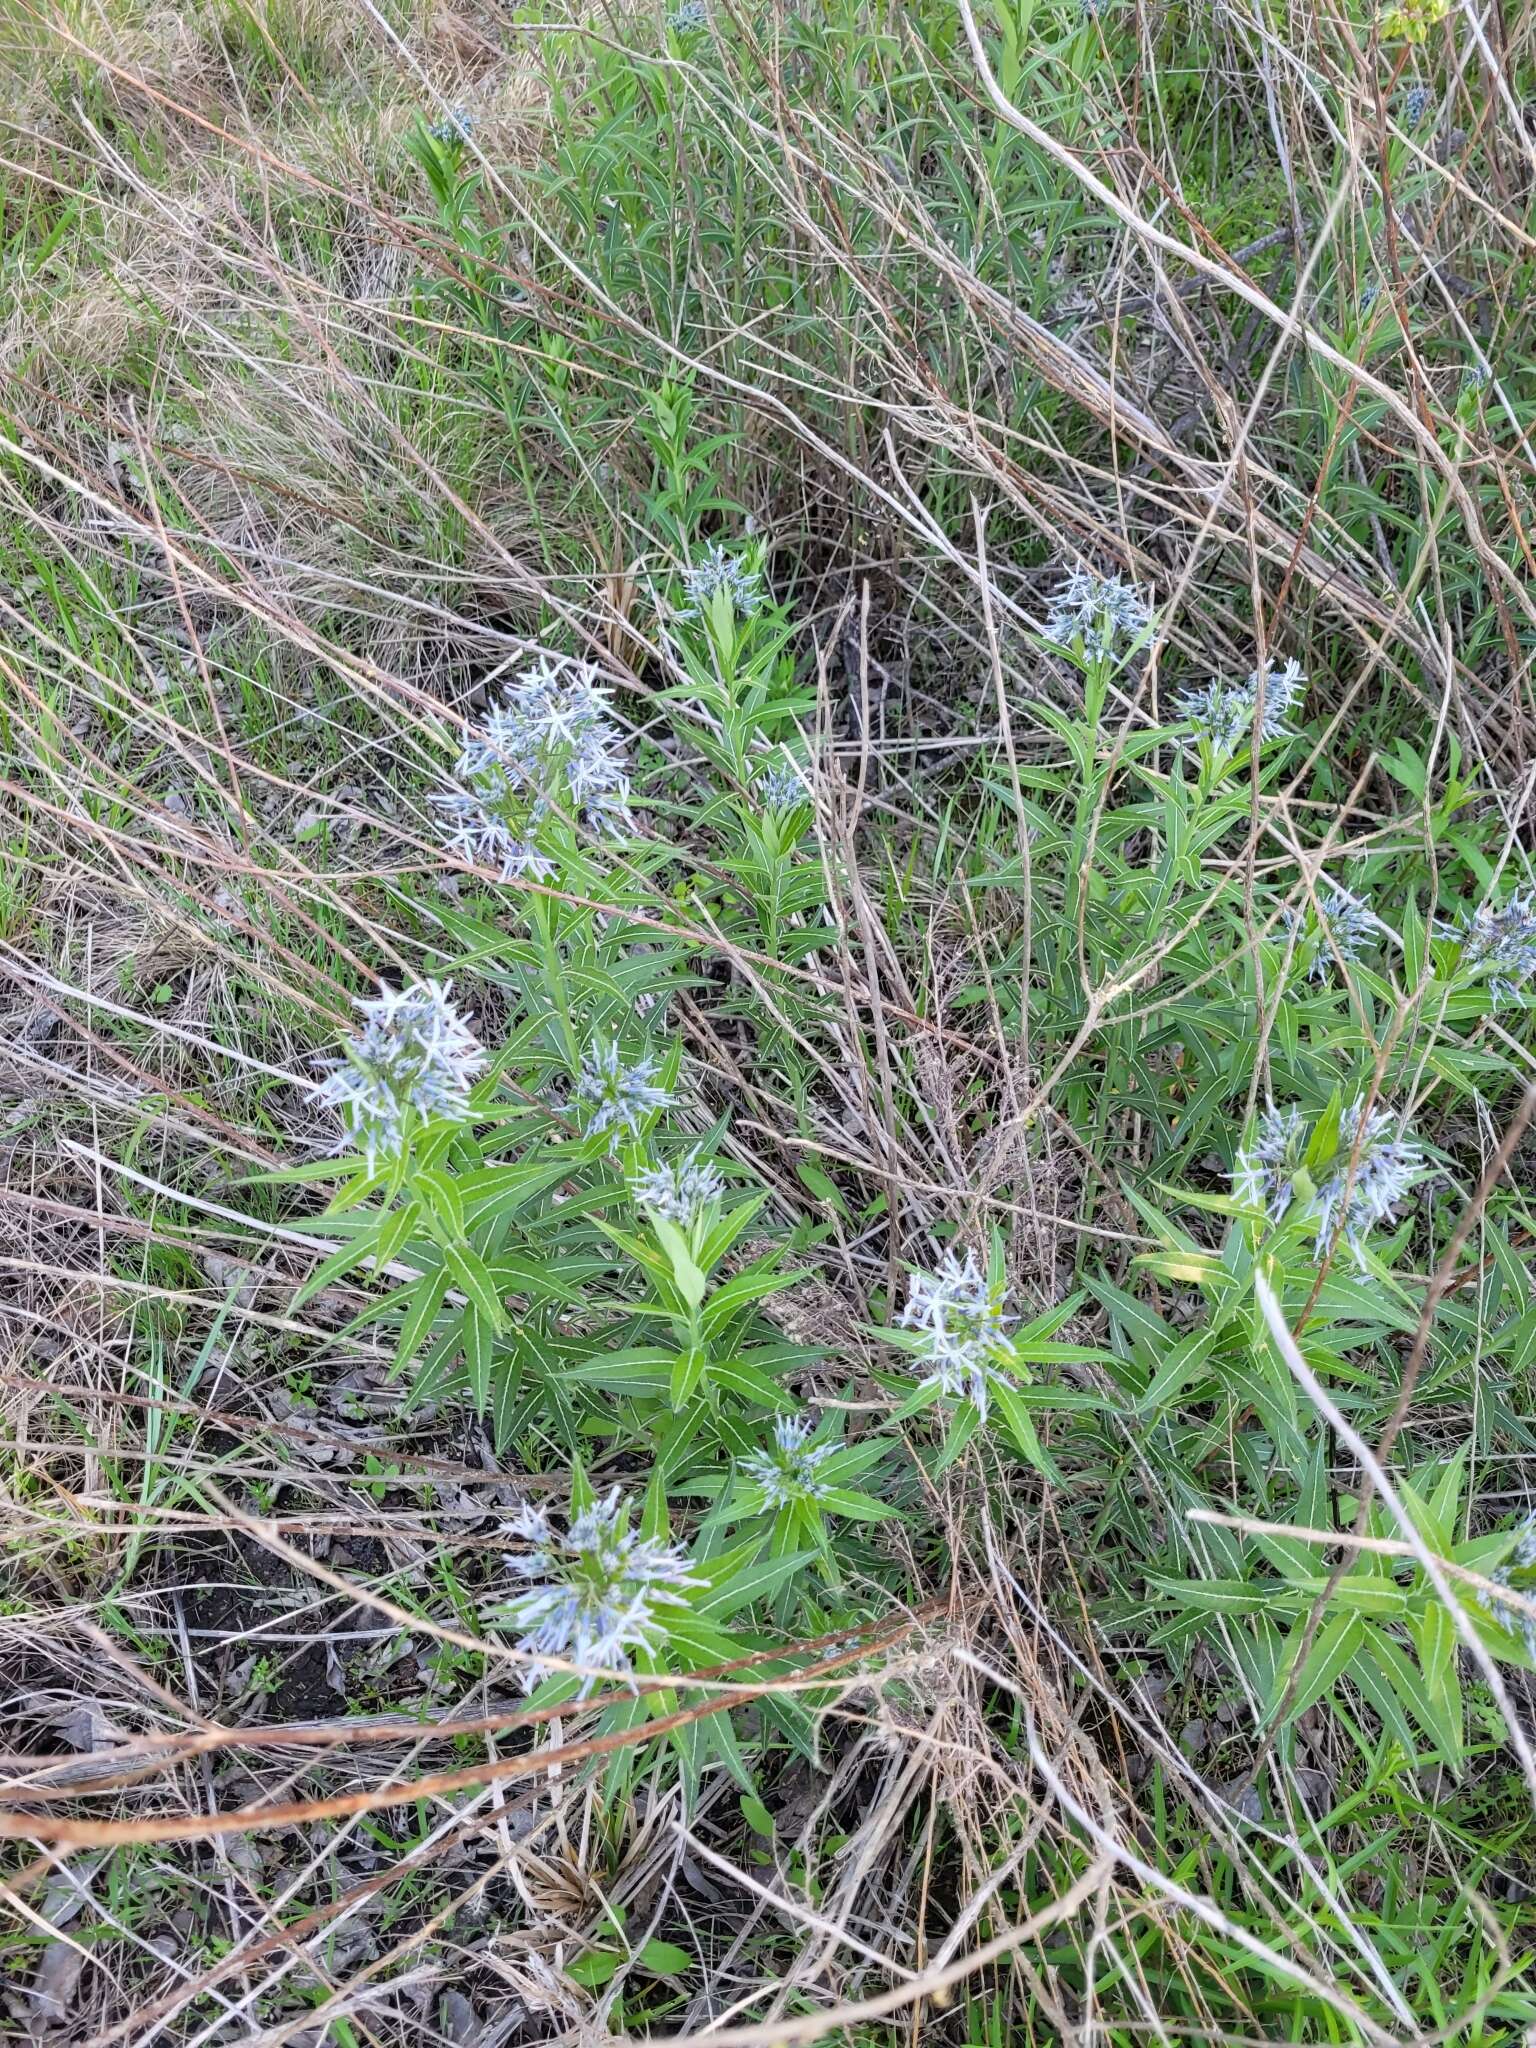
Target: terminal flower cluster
[
  {"x": 551, "y": 748},
  {"x": 1386, "y": 1168},
  {"x": 1224, "y": 712},
  {"x": 415, "y": 1059},
  {"x": 788, "y": 1473},
  {"x": 962, "y": 1318},
  {"x": 598, "y": 1590}
]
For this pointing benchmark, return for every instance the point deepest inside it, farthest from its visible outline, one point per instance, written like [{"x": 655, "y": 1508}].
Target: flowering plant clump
[
  {"x": 551, "y": 748},
  {"x": 598, "y": 1591},
  {"x": 1349, "y": 1190},
  {"x": 1347, "y": 927},
  {"x": 415, "y": 1059},
  {"x": 678, "y": 1192},
  {"x": 959, "y": 1314},
  {"x": 787, "y": 1473},
  {"x": 1223, "y": 713},
  {"x": 718, "y": 569},
  {"x": 615, "y": 1096},
  {"x": 1498, "y": 940},
  {"x": 1096, "y": 609}
]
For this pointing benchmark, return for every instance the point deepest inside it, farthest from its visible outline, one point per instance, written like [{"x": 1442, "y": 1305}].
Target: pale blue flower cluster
[
  {"x": 554, "y": 741},
  {"x": 602, "y": 1589},
  {"x": 1386, "y": 1169},
  {"x": 1517, "y": 1619},
  {"x": 964, "y": 1326},
  {"x": 615, "y": 1095},
  {"x": 550, "y": 748},
  {"x": 1385, "y": 1172},
  {"x": 780, "y": 784},
  {"x": 688, "y": 15},
  {"x": 679, "y": 1192},
  {"x": 787, "y": 1474},
  {"x": 1415, "y": 105},
  {"x": 455, "y": 126},
  {"x": 718, "y": 569},
  {"x": 476, "y": 832},
  {"x": 415, "y": 1058},
  {"x": 1096, "y": 609},
  {"x": 1347, "y": 928},
  {"x": 1224, "y": 712},
  {"x": 1498, "y": 940},
  {"x": 1264, "y": 1170}
]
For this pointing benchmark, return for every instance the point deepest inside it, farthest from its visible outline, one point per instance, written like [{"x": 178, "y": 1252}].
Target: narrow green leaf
[
  {"x": 423, "y": 1300},
  {"x": 1413, "y": 941},
  {"x": 471, "y": 1273},
  {"x": 691, "y": 1284},
  {"x": 752, "y": 1582},
  {"x": 339, "y": 1263},
  {"x": 858, "y": 1507},
  {"x": 402, "y": 1222},
  {"x": 506, "y": 1385},
  {"x": 442, "y": 1198},
  {"x": 1141, "y": 1324},
  {"x": 479, "y": 1351},
  {"x": 1324, "y": 1141},
  {"x": 1434, "y": 1637},
  {"x": 1022, "y": 1429},
  {"x": 1439, "y": 1530},
  {"x": 1184, "y": 1364},
  {"x": 1336, "y": 1644},
  {"x": 1216, "y": 1596},
  {"x": 687, "y": 1372},
  {"x": 963, "y": 1426}
]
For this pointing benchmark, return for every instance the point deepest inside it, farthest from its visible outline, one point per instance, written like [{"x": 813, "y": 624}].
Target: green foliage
[{"x": 927, "y": 937}]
